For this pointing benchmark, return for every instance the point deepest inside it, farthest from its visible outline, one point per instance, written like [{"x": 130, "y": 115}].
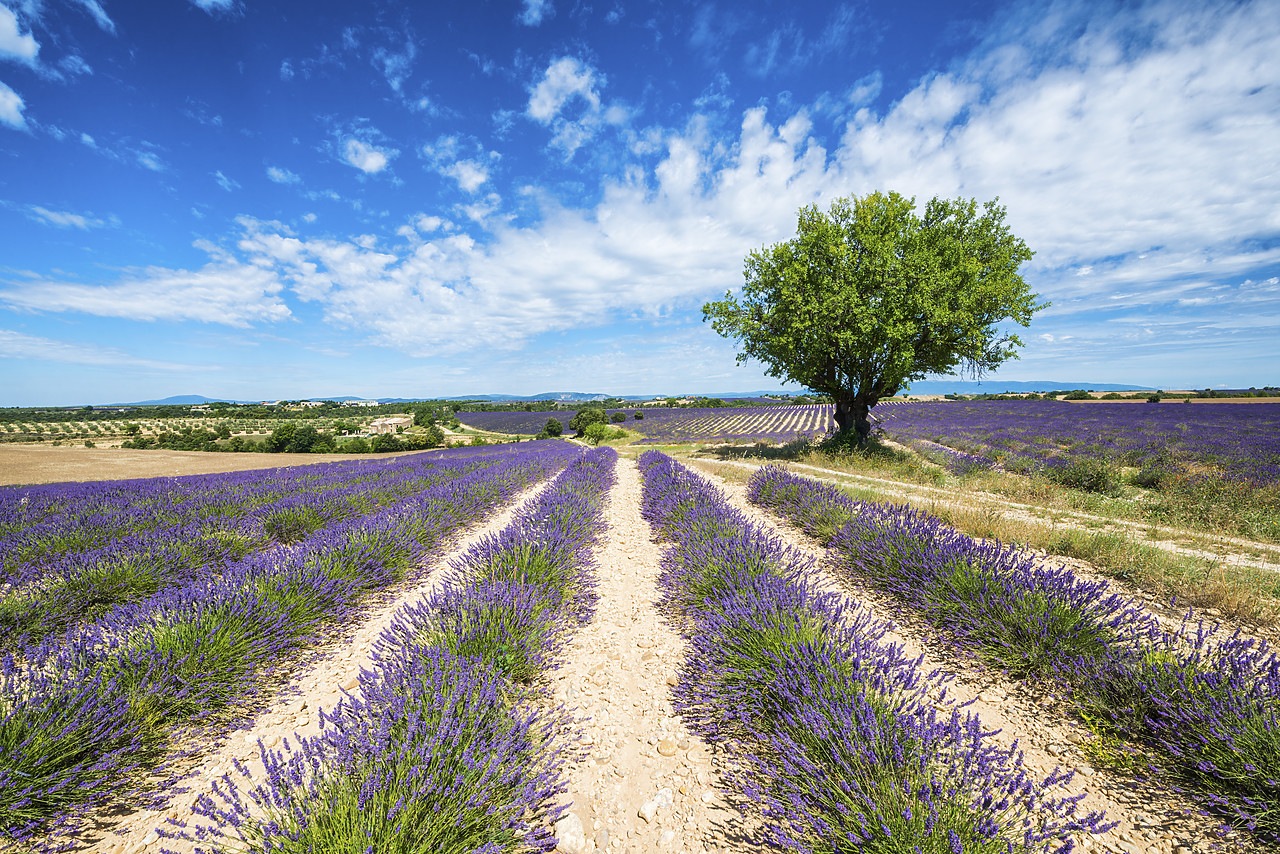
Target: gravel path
[{"x": 647, "y": 784}]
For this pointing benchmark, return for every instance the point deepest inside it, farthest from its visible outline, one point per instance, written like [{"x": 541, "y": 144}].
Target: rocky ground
[{"x": 644, "y": 783}]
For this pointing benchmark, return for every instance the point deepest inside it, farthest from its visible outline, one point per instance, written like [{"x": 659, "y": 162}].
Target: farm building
[{"x": 390, "y": 423}]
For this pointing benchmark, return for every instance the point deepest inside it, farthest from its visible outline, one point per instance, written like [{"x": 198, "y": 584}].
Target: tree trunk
[{"x": 852, "y": 415}]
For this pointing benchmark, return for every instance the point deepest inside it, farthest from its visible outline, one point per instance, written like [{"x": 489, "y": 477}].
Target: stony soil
[{"x": 644, "y": 783}]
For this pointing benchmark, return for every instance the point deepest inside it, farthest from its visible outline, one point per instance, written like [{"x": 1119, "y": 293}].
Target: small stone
[
  {"x": 647, "y": 811},
  {"x": 351, "y": 682},
  {"x": 1085, "y": 770},
  {"x": 644, "y": 643},
  {"x": 672, "y": 679},
  {"x": 708, "y": 797},
  {"x": 667, "y": 837},
  {"x": 666, "y": 797},
  {"x": 667, "y": 747},
  {"x": 1056, "y": 750},
  {"x": 1181, "y": 849},
  {"x": 570, "y": 836},
  {"x": 602, "y": 838},
  {"x": 1075, "y": 737}
]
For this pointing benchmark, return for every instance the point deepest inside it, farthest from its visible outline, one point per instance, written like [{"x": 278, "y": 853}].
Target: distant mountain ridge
[{"x": 990, "y": 386}]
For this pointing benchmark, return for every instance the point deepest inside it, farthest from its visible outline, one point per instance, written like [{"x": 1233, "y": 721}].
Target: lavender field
[
  {"x": 137, "y": 611},
  {"x": 1237, "y": 442},
  {"x": 661, "y": 424}
]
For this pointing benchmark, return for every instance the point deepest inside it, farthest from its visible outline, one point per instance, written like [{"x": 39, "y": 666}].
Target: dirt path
[
  {"x": 296, "y": 711},
  {"x": 647, "y": 784},
  {"x": 1151, "y": 819}
]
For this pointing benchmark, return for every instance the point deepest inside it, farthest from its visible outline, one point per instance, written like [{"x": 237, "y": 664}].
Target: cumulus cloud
[
  {"x": 282, "y": 176},
  {"x": 446, "y": 156},
  {"x": 535, "y": 11},
  {"x": 15, "y": 44},
  {"x": 564, "y": 79},
  {"x": 469, "y": 174},
  {"x": 568, "y": 82},
  {"x": 367, "y": 158},
  {"x": 11, "y": 106},
  {"x": 18, "y": 345}
]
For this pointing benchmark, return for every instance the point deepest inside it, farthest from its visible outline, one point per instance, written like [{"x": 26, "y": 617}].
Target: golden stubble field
[{"x": 23, "y": 464}]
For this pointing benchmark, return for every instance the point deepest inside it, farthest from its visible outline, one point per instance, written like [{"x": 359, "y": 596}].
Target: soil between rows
[{"x": 643, "y": 782}]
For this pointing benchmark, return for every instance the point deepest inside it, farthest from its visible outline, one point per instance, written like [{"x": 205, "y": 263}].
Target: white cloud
[
  {"x": 94, "y": 8},
  {"x": 222, "y": 291},
  {"x": 11, "y": 107},
  {"x": 150, "y": 161},
  {"x": 1104, "y": 149},
  {"x": 469, "y": 174},
  {"x": 565, "y": 78},
  {"x": 286, "y": 70},
  {"x": 73, "y": 64},
  {"x": 225, "y": 183},
  {"x": 212, "y": 6},
  {"x": 535, "y": 11},
  {"x": 65, "y": 219},
  {"x": 395, "y": 67},
  {"x": 368, "y": 158},
  {"x": 15, "y": 44},
  {"x": 18, "y": 345},
  {"x": 88, "y": 140},
  {"x": 282, "y": 176},
  {"x": 569, "y": 81}
]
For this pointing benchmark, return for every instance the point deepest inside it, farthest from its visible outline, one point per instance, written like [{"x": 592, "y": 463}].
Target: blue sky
[{"x": 289, "y": 199}]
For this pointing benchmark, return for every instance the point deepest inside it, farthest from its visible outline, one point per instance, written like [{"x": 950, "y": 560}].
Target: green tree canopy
[
  {"x": 585, "y": 418},
  {"x": 870, "y": 296}
]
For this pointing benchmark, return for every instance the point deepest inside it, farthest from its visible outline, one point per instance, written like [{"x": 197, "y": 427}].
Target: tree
[
  {"x": 553, "y": 427},
  {"x": 869, "y": 297},
  {"x": 585, "y": 418}
]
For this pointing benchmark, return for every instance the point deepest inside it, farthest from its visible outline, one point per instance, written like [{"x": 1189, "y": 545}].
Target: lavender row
[
  {"x": 79, "y": 717},
  {"x": 663, "y": 424},
  {"x": 42, "y": 597},
  {"x": 1204, "y": 707},
  {"x": 838, "y": 742},
  {"x": 1241, "y": 441},
  {"x": 44, "y": 523},
  {"x": 445, "y": 749}
]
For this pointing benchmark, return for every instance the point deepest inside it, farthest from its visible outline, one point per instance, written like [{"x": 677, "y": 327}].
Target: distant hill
[{"x": 988, "y": 386}]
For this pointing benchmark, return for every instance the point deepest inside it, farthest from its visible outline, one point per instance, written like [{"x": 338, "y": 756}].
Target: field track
[{"x": 643, "y": 782}]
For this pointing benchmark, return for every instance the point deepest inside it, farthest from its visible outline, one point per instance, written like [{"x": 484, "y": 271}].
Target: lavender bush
[
  {"x": 1205, "y": 707},
  {"x": 444, "y": 752},
  {"x": 78, "y": 715},
  {"x": 120, "y": 542},
  {"x": 842, "y": 749}
]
